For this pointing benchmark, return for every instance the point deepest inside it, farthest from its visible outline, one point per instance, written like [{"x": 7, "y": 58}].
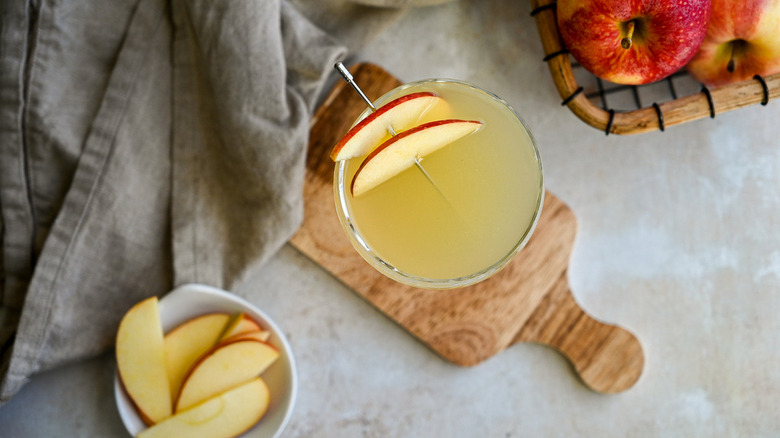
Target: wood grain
[
  {"x": 677, "y": 111},
  {"x": 527, "y": 301}
]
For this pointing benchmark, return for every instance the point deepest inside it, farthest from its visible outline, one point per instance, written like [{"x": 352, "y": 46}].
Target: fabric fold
[
  {"x": 106, "y": 246},
  {"x": 185, "y": 159},
  {"x": 238, "y": 154}
]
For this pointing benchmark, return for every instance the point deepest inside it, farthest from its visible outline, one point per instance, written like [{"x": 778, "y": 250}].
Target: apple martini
[{"x": 438, "y": 184}]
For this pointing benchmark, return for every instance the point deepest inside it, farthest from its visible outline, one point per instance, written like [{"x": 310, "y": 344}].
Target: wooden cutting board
[{"x": 528, "y": 301}]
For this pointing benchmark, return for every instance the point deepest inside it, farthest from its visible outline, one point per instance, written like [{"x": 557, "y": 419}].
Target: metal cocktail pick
[{"x": 351, "y": 81}]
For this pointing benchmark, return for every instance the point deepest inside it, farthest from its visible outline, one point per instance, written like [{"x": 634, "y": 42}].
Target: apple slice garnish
[
  {"x": 227, "y": 414},
  {"x": 400, "y": 152},
  {"x": 399, "y": 114}
]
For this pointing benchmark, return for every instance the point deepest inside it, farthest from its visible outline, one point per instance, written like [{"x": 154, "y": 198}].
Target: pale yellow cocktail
[{"x": 464, "y": 211}]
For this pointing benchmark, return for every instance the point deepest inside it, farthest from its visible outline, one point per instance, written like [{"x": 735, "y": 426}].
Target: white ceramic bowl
[{"x": 192, "y": 300}]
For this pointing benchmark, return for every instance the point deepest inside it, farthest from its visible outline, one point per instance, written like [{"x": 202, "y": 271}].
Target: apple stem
[
  {"x": 737, "y": 49},
  {"x": 626, "y": 41},
  {"x": 731, "y": 67}
]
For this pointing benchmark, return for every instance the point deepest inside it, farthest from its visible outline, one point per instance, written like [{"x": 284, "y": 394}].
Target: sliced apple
[
  {"x": 187, "y": 342},
  {"x": 400, "y": 114},
  {"x": 223, "y": 367},
  {"x": 140, "y": 359},
  {"x": 260, "y": 335},
  {"x": 400, "y": 152},
  {"x": 239, "y": 324},
  {"x": 226, "y": 415}
]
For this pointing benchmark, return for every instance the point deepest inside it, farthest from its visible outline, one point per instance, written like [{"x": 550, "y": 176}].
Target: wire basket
[{"x": 684, "y": 99}]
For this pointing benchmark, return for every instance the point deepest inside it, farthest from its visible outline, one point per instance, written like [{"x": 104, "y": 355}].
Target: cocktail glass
[{"x": 458, "y": 215}]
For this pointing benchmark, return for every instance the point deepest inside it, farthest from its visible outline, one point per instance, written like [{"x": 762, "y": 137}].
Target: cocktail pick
[{"x": 351, "y": 81}]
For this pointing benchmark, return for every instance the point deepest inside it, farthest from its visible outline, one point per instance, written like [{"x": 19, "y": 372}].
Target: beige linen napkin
[
  {"x": 150, "y": 143},
  {"x": 143, "y": 144}
]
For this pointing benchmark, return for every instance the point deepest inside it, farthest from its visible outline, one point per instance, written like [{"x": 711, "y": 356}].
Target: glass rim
[{"x": 386, "y": 268}]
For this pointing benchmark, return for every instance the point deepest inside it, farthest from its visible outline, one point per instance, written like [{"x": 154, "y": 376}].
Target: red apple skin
[
  {"x": 381, "y": 110},
  {"x": 757, "y": 23},
  {"x": 401, "y": 135},
  {"x": 667, "y": 35}
]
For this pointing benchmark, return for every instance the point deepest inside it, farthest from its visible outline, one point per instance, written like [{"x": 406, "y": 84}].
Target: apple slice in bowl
[
  {"x": 189, "y": 341},
  {"x": 226, "y": 365},
  {"x": 140, "y": 356},
  {"x": 401, "y": 151},
  {"x": 192, "y": 300},
  {"x": 228, "y": 414}
]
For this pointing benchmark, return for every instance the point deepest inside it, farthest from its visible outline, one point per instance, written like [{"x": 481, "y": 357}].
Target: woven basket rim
[{"x": 658, "y": 116}]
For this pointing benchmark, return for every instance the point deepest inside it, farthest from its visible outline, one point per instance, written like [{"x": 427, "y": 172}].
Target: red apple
[
  {"x": 398, "y": 114},
  {"x": 634, "y": 42},
  {"x": 743, "y": 40},
  {"x": 400, "y": 152}
]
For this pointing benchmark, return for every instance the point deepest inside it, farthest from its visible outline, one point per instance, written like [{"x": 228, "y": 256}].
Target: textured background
[{"x": 678, "y": 242}]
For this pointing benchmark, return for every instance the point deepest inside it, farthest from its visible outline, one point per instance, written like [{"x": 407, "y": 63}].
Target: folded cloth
[{"x": 143, "y": 144}]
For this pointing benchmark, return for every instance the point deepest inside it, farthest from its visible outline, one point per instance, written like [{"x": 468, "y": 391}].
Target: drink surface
[{"x": 484, "y": 200}]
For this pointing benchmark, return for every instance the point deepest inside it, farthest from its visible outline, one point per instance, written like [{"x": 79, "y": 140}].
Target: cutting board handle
[{"x": 608, "y": 358}]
